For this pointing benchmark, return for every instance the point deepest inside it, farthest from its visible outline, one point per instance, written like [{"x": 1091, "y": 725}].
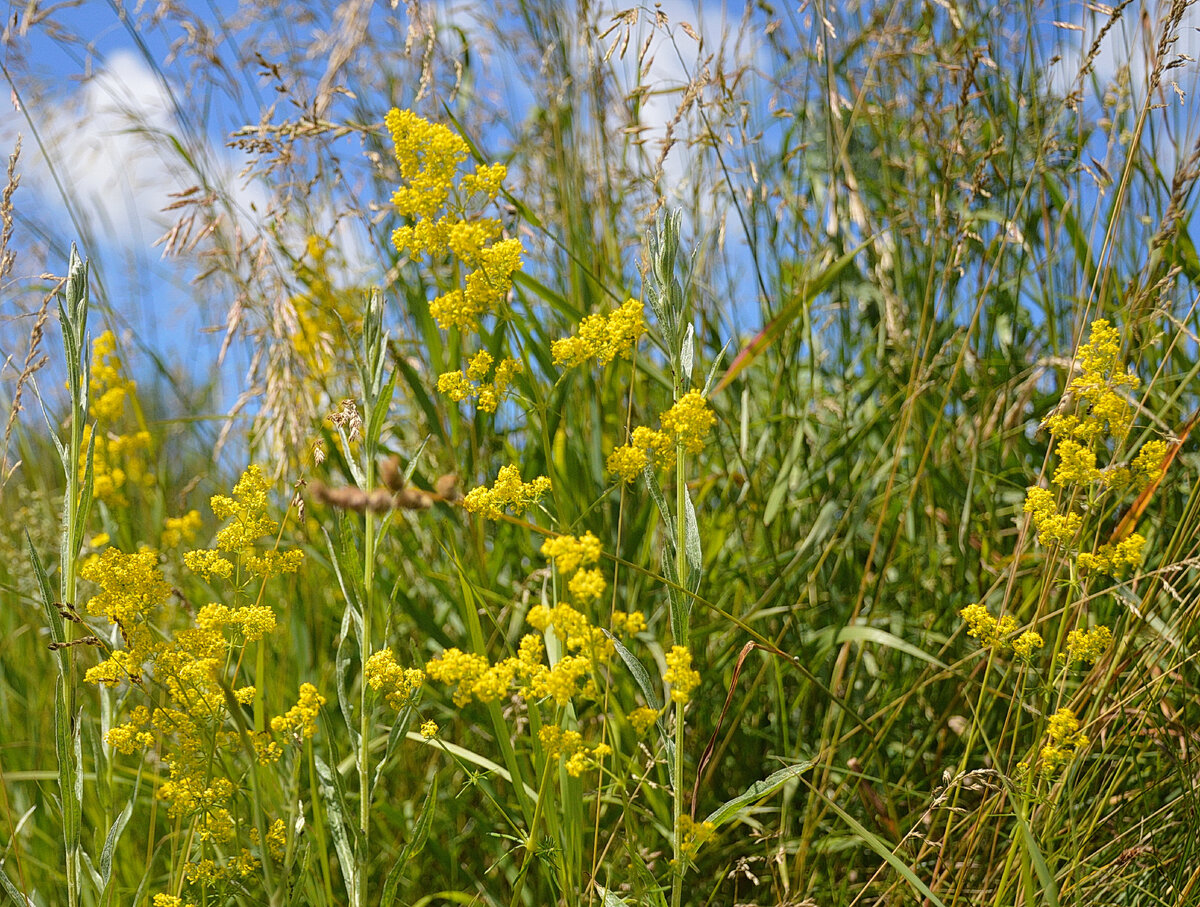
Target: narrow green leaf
[
  {"x": 640, "y": 675},
  {"x": 54, "y": 620},
  {"x": 714, "y": 368},
  {"x": 416, "y": 843},
  {"x": 649, "y": 689},
  {"x": 687, "y": 357},
  {"x": 335, "y": 808},
  {"x": 661, "y": 501},
  {"x": 884, "y": 852},
  {"x": 1045, "y": 876},
  {"x": 69, "y": 548},
  {"x": 859, "y": 633},
  {"x": 379, "y": 411},
  {"x": 691, "y": 545},
  {"x": 756, "y": 791},
  {"x": 114, "y": 834},
  {"x": 91, "y": 870},
  {"x": 11, "y": 890},
  {"x": 343, "y": 665}
]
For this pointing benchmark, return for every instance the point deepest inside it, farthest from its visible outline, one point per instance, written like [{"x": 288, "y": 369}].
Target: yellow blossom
[
  {"x": 628, "y": 623},
  {"x": 987, "y": 629},
  {"x": 1026, "y": 644},
  {"x": 587, "y": 585},
  {"x": 689, "y": 421},
  {"x": 694, "y": 835},
  {"x": 180, "y": 529},
  {"x": 508, "y": 491},
  {"x": 569, "y": 552},
  {"x": 301, "y": 719},
  {"x": 1066, "y": 741},
  {"x": 680, "y": 675},
  {"x": 642, "y": 719},
  {"x": 399, "y": 685},
  {"x": 602, "y": 337},
  {"x": 1087, "y": 645}
]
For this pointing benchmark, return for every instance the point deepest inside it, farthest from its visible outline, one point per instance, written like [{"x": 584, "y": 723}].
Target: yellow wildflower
[
  {"x": 642, "y": 719},
  {"x": 569, "y": 552},
  {"x": 987, "y": 629},
  {"x": 180, "y": 529},
  {"x": 1087, "y": 645},
  {"x": 602, "y": 337},
  {"x": 680, "y": 675},
  {"x": 1026, "y": 644},
  {"x": 1065, "y": 741},
  {"x": 508, "y": 491},
  {"x": 301, "y": 719},
  {"x": 689, "y": 421}
]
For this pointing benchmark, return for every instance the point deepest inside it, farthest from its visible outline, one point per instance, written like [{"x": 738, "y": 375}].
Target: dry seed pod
[
  {"x": 346, "y": 498},
  {"x": 389, "y": 473},
  {"x": 413, "y": 499},
  {"x": 379, "y": 500},
  {"x": 447, "y": 487}
]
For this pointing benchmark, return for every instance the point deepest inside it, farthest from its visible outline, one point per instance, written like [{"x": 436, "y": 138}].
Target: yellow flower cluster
[
  {"x": 170, "y": 900},
  {"x": 587, "y": 646},
  {"x": 995, "y": 632},
  {"x": 120, "y": 453},
  {"x": 108, "y": 388},
  {"x": 509, "y": 491},
  {"x": 685, "y": 424},
  {"x": 987, "y": 629},
  {"x": 476, "y": 679},
  {"x": 570, "y": 553},
  {"x": 1102, "y": 377},
  {"x": 398, "y": 685},
  {"x": 695, "y": 835},
  {"x": 1112, "y": 558},
  {"x": 179, "y": 530},
  {"x": 1027, "y": 644},
  {"x": 132, "y": 587},
  {"x": 1066, "y": 741},
  {"x": 1080, "y": 438},
  {"x": 1087, "y": 645},
  {"x": 430, "y": 156},
  {"x": 602, "y": 337},
  {"x": 680, "y": 675},
  {"x": 187, "y": 714},
  {"x": 301, "y": 719},
  {"x": 642, "y": 719},
  {"x": 1051, "y": 526},
  {"x": 475, "y": 384},
  {"x": 253, "y": 622},
  {"x": 246, "y": 512},
  {"x": 570, "y": 746}
]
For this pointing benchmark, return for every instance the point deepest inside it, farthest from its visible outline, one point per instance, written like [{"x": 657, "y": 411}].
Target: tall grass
[{"x": 878, "y": 247}]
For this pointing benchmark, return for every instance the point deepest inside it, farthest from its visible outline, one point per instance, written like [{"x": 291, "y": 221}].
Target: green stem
[
  {"x": 364, "y": 800},
  {"x": 529, "y": 845},
  {"x": 680, "y": 579}
]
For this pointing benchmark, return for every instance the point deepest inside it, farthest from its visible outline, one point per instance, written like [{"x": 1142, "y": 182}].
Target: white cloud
[{"x": 111, "y": 146}]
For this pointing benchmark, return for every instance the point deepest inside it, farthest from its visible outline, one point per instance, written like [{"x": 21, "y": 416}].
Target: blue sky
[{"x": 120, "y": 177}]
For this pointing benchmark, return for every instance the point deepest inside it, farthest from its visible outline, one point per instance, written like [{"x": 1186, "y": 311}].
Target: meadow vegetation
[{"x": 794, "y": 505}]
